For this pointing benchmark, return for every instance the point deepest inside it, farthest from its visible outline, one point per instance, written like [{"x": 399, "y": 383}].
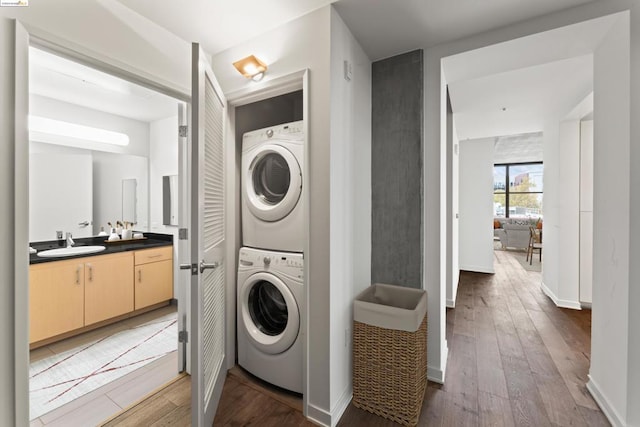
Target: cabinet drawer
[{"x": 152, "y": 255}]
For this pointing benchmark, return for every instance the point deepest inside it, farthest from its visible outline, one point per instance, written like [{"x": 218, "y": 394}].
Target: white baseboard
[
  {"x": 586, "y": 305},
  {"x": 560, "y": 302},
  {"x": 451, "y": 303},
  {"x": 478, "y": 269},
  {"x": 318, "y": 416},
  {"x": 437, "y": 374},
  {"x": 603, "y": 403},
  {"x": 341, "y": 406}
]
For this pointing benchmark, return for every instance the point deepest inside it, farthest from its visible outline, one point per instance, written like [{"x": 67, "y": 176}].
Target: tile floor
[{"x": 97, "y": 406}]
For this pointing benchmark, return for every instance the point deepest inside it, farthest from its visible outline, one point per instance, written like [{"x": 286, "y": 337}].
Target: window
[{"x": 517, "y": 190}]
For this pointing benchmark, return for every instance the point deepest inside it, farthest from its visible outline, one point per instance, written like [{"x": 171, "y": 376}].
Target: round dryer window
[
  {"x": 273, "y": 183},
  {"x": 270, "y": 315}
]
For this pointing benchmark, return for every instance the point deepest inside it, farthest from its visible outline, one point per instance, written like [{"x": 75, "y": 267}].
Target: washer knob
[
  {"x": 267, "y": 260},
  {"x": 270, "y": 133}
]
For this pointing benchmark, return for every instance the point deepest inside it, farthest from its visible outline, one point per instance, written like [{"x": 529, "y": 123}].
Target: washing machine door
[
  {"x": 270, "y": 314},
  {"x": 273, "y": 182}
]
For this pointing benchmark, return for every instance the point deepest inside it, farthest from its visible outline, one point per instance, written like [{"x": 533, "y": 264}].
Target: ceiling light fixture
[
  {"x": 251, "y": 67},
  {"x": 72, "y": 130}
]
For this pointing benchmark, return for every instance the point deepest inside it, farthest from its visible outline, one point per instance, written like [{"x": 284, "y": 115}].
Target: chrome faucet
[{"x": 70, "y": 241}]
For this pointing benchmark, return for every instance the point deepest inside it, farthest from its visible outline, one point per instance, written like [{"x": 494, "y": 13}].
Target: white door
[{"x": 208, "y": 367}]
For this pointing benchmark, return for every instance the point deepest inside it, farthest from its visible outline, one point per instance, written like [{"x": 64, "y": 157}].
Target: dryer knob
[{"x": 267, "y": 260}]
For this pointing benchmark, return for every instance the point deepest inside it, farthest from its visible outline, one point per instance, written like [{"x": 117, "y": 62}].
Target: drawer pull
[
  {"x": 154, "y": 256},
  {"x": 78, "y": 274},
  {"x": 139, "y": 275},
  {"x": 90, "y": 272}
]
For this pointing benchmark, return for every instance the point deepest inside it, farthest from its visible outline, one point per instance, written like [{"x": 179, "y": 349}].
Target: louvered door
[{"x": 207, "y": 219}]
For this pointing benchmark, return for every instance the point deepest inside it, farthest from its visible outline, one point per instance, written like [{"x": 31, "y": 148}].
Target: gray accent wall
[{"x": 396, "y": 170}]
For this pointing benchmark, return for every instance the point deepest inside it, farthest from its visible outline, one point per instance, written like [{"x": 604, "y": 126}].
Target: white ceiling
[
  {"x": 534, "y": 78},
  {"x": 220, "y": 24},
  {"x": 58, "y": 78},
  {"x": 519, "y": 101},
  {"x": 385, "y": 28}
]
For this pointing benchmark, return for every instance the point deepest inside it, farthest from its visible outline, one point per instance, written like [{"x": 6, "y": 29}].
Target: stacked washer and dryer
[{"x": 270, "y": 263}]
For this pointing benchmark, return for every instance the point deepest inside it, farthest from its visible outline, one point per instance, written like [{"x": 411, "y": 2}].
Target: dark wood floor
[{"x": 515, "y": 359}]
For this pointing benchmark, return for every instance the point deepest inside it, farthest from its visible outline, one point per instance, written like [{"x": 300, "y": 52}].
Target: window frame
[{"x": 507, "y": 192}]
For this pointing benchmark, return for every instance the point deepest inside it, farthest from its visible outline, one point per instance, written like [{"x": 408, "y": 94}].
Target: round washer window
[
  {"x": 268, "y": 308},
  {"x": 271, "y": 178}
]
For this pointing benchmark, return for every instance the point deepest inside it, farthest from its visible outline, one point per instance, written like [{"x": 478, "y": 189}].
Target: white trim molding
[
  {"x": 437, "y": 374},
  {"x": 318, "y": 416},
  {"x": 603, "y": 403},
  {"x": 341, "y": 406},
  {"x": 451, "y": 303},
  {"x": 477, "y": 269},
  {"x": 575, "y": 305}
]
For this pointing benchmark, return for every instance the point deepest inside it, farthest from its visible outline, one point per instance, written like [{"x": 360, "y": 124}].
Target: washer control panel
[{"x": 289, "y": 263}]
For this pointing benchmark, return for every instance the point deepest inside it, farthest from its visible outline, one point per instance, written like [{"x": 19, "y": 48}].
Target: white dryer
[
  {"x": 270, "y": 301},
  {"x": 272, "y": 187}
]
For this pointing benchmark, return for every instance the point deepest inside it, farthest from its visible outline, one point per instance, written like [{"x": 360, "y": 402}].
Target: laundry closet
[{"x": 270, "y": 146}]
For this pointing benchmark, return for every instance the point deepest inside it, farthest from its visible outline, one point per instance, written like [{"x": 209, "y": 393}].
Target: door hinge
[
  {"x": 183, "y": 131},
  {"x": 183, "y": 336},
  {"x": 183, "y": 234}
]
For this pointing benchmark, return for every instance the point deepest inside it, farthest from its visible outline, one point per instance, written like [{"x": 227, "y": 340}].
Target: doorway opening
[{"x": 104, "y": 322}]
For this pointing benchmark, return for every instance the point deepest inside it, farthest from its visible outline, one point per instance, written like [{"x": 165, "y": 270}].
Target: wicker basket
[{"x": 390, "y": 367}]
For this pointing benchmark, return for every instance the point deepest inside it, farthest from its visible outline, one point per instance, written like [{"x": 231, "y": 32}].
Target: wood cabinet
[
  {"x": 71, "y": 295},
  {"x": 56, "y": 298},
  {"x": 153, "y": 276},
  {"x": 108, "y": 286}
]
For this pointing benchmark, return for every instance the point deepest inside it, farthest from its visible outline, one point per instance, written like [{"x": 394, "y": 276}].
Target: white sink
[{"x": 71, "y": 251}]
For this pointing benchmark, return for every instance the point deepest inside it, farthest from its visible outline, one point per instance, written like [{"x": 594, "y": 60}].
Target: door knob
[{"x": 204, "y": 265}]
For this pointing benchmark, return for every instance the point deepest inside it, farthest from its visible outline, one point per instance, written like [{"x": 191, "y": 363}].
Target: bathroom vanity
[{"x": 73, "y": 294}]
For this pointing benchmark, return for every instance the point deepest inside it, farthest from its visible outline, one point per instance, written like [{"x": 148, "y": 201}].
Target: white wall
[
  {"x": 476, "y": 205},
  {"x": 611, "y": 365},
  {"x": 301, "y": 44},
  {"x": 586, "y": 211},
  {"x": 350, "y": 215},
  {"x": 163, "y": 160}
]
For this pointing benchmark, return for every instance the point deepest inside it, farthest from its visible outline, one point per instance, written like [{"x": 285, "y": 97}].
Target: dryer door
[
  {"x": 273, "y": 182},
  {"x": 270, "y": 315}
]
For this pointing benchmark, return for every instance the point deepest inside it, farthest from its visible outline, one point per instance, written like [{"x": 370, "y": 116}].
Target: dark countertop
[{"x": 153, "y": 240}]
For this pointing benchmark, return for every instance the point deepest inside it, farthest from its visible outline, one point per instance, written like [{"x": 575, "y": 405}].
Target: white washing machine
[
  {"x": 271, "y": 180},
  {"x": 270, "y": 300}
]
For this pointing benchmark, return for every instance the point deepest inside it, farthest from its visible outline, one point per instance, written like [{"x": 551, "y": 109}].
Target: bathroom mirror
[
  {"x": 129, "y": 187},
  {"x": 170, "y": 200}
]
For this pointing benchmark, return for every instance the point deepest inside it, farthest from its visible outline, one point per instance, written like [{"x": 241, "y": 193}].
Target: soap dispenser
[
  {"x": 113, "y": 235},
  {"x": 102, "y": 232}
]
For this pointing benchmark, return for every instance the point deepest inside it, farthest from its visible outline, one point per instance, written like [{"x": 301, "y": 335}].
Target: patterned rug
[{"x": 63, "y": 377}]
